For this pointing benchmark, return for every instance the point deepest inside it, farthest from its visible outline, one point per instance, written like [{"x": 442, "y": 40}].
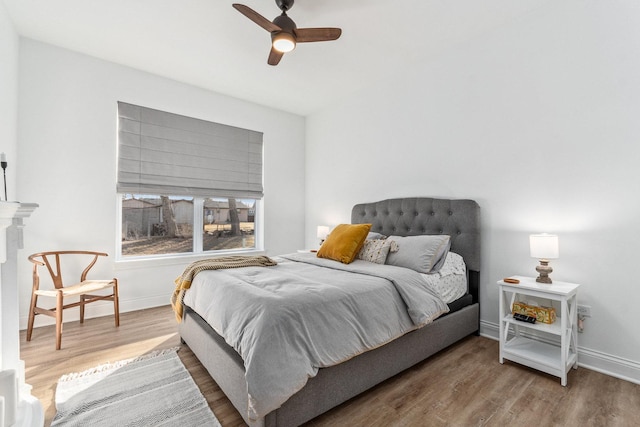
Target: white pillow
[{"x": 423, "y": 254}]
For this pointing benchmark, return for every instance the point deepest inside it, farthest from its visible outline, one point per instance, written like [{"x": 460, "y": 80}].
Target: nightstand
[{"x": 525, "y": 343}]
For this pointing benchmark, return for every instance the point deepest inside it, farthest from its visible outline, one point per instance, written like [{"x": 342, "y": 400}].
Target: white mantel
[{"x": 28, "y": 411}]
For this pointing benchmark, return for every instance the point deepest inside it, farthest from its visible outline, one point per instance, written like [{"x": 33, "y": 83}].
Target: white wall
[
  {"x": 8, "y": 99},
  {"x": 9, "y": 348},
  {"x": 67, "y": 148},
  {"x": 538, "y": 122}
]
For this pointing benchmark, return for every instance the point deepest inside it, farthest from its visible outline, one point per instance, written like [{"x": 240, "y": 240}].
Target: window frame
[{"x": 197, "y": 248}]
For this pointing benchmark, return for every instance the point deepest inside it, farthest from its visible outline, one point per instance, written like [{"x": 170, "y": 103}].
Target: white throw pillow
[
  {"x": 375, "y": 236},
  {"x": 375, "y": 250}
]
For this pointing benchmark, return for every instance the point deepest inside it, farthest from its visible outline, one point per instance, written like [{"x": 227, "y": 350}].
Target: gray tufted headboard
[{"x": 460, "y": 219}]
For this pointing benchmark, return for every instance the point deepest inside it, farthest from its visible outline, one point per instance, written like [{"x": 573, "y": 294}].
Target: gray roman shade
[{"x": 173, "y": 155}]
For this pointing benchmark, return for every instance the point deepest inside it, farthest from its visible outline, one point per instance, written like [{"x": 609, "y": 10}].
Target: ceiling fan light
[{"x": 283, "y": 42}]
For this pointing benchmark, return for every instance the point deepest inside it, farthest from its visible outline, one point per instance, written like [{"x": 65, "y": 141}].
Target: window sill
[{"x": 183, "y": 260}]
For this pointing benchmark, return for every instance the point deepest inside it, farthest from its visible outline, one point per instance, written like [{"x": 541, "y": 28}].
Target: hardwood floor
[{"x": 464, "y": 385}]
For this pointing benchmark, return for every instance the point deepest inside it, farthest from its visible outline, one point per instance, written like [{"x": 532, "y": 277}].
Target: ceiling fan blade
[
  {"x": 256, "y": 17},
  {"x": 274, "y": 57},
  {"x": 305, "y": 35}
]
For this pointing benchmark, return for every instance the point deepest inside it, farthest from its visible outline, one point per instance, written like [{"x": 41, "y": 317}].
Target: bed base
[
  {"x": 334, "y": 385},
  {"x": 459, "y": 219}
]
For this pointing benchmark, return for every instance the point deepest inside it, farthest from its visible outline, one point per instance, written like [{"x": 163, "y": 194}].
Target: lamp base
[{"x": 544, "y": 270}]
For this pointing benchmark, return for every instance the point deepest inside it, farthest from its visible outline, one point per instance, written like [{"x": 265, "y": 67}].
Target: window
[
  {"x": 186, "y": 185},
  {"x": 161, "y": 225},
  {"x": 228, "y": 224}
]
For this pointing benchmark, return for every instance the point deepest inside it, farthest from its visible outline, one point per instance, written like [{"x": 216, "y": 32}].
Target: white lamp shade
[
  {"x": 544, "y": 246},
  {"x": 283, "y": 42},
  {"x": 322, "y": 232}
]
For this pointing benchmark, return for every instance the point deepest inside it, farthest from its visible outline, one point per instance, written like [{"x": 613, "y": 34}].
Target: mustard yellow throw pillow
[{"x": 344, "y": 242}]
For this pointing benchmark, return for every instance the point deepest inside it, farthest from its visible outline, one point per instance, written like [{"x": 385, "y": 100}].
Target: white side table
[{"x": 526, "y": 350}]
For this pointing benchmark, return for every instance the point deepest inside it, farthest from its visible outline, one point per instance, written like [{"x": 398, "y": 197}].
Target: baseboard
[
  {"x": 489, "y": 330},
  {"x": 99, "y": 309},
  {"x": 604, "y": 363}
]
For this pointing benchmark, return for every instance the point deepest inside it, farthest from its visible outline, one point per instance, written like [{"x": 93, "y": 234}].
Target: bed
[{"x": 333, "y": 385}]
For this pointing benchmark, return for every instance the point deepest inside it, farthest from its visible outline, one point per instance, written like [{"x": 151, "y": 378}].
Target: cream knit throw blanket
[{"x": 184, "y": 281}]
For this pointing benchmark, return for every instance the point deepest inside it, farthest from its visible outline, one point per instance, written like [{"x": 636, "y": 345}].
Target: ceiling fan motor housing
[
  {"x": 284, "y": 22},
  {"x": 285, "y": 39}
]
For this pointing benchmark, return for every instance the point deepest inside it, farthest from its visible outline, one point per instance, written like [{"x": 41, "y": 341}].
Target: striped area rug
[{"x": 151, "y": 390}]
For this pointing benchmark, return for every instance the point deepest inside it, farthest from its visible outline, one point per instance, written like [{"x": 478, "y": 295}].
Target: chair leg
[
  {"x": 32, "y": 315},
  {"x": 59, "y": 304},
  {"x": 116, "y": 303},
  {"x": 81, "y": 308}
]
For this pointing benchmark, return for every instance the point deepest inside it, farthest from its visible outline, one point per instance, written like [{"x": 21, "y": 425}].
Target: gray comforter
[{"x": 289, "y": 320}]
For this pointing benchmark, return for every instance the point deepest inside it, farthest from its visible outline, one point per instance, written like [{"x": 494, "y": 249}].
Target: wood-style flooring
[{"x": 464, "y": 385}]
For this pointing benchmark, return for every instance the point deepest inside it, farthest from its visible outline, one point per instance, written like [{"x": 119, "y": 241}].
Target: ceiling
[{"x": 207, "y": 43}]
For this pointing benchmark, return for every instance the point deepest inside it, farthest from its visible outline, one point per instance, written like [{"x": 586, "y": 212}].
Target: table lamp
[
  {"x": 322, "y": 233},
  {"x": 543, "y": 247}
]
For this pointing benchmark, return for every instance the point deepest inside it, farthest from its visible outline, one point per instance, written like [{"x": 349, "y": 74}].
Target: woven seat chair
[{"x": 83, "y": 289}]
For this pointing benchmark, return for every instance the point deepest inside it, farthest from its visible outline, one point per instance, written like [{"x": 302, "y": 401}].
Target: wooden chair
[{"x": 83, "y": 289}]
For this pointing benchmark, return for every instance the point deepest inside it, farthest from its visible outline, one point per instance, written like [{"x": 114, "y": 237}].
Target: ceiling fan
[{"x": 284, "y": 33}]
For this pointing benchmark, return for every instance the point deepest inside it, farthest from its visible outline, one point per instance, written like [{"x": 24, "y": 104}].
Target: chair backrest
[{"x": 51, "y": 260}]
